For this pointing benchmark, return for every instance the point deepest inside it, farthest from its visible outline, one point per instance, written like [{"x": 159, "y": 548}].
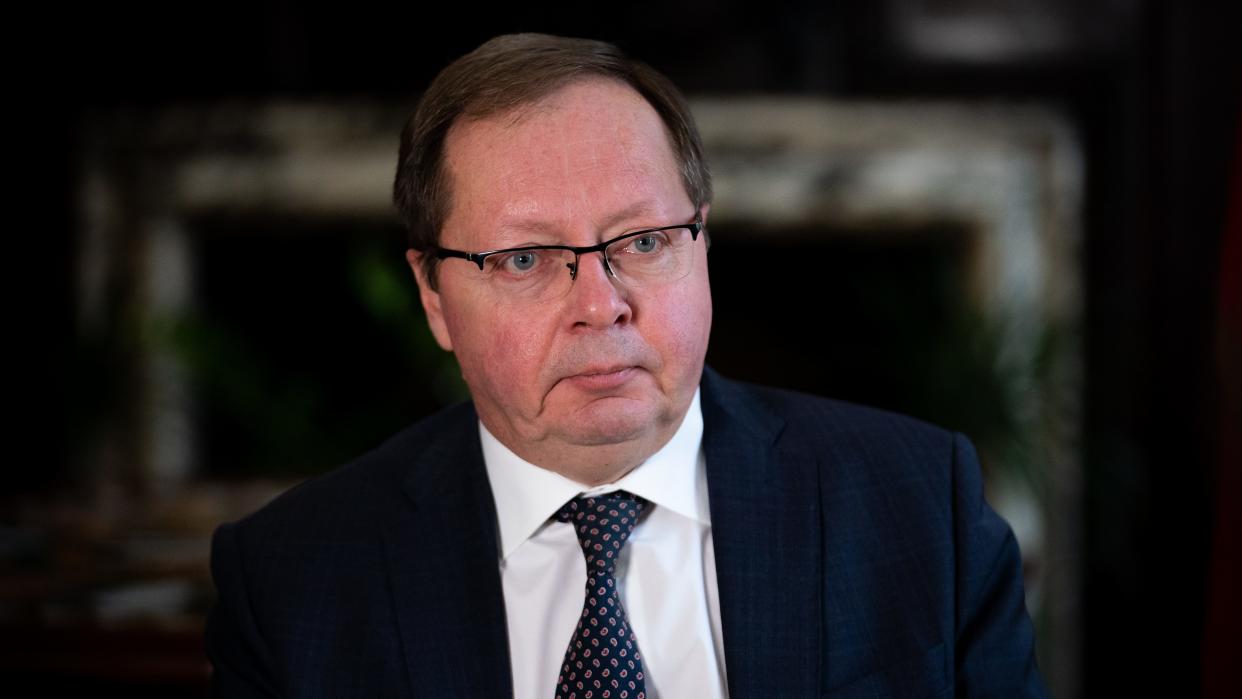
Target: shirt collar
[{"x": 675, "y": 477}]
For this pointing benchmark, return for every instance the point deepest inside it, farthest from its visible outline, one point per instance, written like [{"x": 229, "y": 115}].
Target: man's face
[{"x": 604, "y": 374}]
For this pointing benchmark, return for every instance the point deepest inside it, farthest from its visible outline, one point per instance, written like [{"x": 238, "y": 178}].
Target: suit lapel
[
  {"x": 766, "y": 531},
  {"x": 442, "y": 556}
]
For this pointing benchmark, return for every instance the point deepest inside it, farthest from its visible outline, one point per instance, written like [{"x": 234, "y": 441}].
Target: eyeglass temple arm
[{"x": 475, "y": 257}]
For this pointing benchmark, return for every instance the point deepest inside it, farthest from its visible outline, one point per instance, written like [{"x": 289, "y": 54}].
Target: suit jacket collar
[{"x": 765, "y": 527}]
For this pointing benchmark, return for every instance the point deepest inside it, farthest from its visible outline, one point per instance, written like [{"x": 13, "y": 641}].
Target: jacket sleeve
[
  {"x": 241, "y": 661},
  {"x": 995, "y": 639}
]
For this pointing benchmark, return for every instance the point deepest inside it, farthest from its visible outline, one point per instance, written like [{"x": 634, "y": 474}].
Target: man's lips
[{"x": 602, "y": 378}]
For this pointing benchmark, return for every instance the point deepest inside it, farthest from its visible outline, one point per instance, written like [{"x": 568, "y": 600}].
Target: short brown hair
[{"x": 508, "y": 72}]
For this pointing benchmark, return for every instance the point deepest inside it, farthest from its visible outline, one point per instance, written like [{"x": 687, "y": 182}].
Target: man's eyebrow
[
  {"x": 636, "y": 210},
  {"x": 533, "y": 226}
]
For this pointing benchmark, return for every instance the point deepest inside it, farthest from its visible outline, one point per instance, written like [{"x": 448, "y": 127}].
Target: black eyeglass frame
[{"x": 696, "y": 226}]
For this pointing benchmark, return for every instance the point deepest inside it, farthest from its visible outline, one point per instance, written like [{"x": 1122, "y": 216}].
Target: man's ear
[{"x": 431, "y": 300}]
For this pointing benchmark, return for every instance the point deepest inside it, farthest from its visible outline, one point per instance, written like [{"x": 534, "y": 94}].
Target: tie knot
[{"x": 602, "y": 523}]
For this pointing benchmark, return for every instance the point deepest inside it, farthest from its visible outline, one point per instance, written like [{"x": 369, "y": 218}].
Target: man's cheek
[
  {"x": 517, "y": 344},
  {"x": 688, "y": 332},
  {"x": 514, "y": 356}
]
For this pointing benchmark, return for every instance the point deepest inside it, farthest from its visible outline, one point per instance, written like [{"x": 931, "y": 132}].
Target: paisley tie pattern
[{"x": 602, "y": 661}]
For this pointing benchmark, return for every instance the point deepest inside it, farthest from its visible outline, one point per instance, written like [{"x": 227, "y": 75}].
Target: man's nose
[{"x": 597, "y": 298}]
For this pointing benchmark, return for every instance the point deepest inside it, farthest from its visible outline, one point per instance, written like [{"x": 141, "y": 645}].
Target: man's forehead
[{"x": 593, "y": 148}]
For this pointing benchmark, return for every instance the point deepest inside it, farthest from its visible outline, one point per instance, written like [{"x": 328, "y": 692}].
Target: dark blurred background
[{"x": 181, "y": 310}]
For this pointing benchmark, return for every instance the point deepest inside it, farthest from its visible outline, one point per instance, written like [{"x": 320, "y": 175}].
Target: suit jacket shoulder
[
  {"x": 328, "y": 505},
  {"x": 818, "y": 422},
  {"x": 851, "y": 447},
  {"x": 875, "y": 524},
  {"x": 355, "y": 582}
]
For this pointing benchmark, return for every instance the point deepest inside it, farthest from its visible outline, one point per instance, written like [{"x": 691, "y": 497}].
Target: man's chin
[{"x": 612, "y": 421}]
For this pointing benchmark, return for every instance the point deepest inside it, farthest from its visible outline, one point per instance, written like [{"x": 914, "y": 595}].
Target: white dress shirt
[{"x": 666, "y": 574}]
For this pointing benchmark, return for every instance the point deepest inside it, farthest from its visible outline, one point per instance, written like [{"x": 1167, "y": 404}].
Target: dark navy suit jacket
[{"x": 855, "y": 557}]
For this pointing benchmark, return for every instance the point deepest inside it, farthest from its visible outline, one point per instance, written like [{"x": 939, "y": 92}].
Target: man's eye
[
  {"x": 648, "y": 243},
  {"x": 520, "y": 261}
]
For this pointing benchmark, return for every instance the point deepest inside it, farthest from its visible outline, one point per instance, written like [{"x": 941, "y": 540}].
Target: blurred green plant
[
  {"x": 286, "y": 421},
  {"x": 387, "y": 297}
]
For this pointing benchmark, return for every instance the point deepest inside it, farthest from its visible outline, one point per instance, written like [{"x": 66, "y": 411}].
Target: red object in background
[{"x": 1222, "y": 647}]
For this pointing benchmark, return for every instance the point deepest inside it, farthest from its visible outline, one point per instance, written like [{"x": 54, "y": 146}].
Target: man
[{"x": 606, "y": 517}]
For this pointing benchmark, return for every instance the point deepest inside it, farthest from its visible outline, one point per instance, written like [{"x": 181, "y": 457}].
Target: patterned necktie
[{"x": 602, "y": 661}]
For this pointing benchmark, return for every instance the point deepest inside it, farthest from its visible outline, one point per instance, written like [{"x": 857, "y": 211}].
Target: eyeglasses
[{"x": 537, "y": 272}]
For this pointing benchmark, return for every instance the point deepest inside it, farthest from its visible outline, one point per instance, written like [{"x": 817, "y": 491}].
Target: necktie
[{"x": 602, "y": 661}]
